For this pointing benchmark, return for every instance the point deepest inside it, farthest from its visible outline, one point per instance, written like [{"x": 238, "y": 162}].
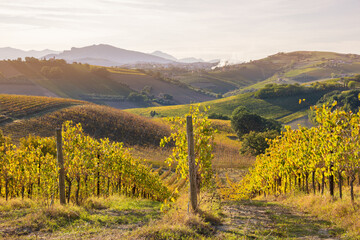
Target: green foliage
[
  {"x": 348, "y": 100},
  {"x": 204, "y": 145},
  {"x": 276, "y": 108},
  {"x": 357, "y": 78},
  {"x": 100, "y": 71},
  {"x": 218, "y": 116},
  {"x": 256, "y": 143},
  {"x": 167, "y": 96},
  {"x": 46, "y": 145},
  {"x": 92, "y": 167},
  {"x": 329, "y": 150},
  {"x": 352, "y": 84},
  {"x": 243, "y": 122},
  {"x": 284, "y": 90},
  {"x": 137, "y": 97},
  {"x": 52, "y": 72}
]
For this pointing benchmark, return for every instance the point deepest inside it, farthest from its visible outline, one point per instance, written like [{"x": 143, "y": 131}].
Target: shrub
[
  {"x": 349, "y": 100},
  {"x": 51, "y": 72},
  {"x": 137, "y": 97},
  {"x": 243, "y": 122},
  {"x": 100, "y": 71},
  {"x": 255, "y": 143}
]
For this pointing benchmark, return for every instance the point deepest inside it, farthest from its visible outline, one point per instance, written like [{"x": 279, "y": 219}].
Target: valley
[{"x": 119, "y": 180}]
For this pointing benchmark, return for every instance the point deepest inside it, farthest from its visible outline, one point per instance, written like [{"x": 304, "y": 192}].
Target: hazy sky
[{"x": 237, "y": 29}]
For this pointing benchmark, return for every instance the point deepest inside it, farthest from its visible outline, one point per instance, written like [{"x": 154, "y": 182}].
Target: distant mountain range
[
  {"x": 102, "y": 54},
  {"x": 181, "y": 60},
  {"x": 13, "y": 53},
  {"x": 106, "y": 55}
]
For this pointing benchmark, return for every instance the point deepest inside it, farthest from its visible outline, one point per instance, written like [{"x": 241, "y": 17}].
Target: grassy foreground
[
  {"x": 342, "y": 213},
  {"x": 116, "y": 217},
  {"x": 100, "y": 217}
]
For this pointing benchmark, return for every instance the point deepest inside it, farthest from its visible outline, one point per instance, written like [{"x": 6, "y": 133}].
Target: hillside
[
  {"x": 15, "y": 107},
  {"x": 294, "y": 67},
  {"x": 109, "y": 86},
  {"x": 168, "y": 84},
  {"x": 284, "y": 109},
  {"x": 24, "y": 115},
  {"x": 97, "y": 121}
]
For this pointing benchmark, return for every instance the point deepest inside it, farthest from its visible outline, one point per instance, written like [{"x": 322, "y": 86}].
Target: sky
[{"x": 236, "y": 30}]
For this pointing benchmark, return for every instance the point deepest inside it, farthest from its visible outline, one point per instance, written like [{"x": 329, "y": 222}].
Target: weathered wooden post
[
  {"x": 61, "y": 166},
  {"x": 331, "y": 180},
  {"x": 192, "y": 167}
]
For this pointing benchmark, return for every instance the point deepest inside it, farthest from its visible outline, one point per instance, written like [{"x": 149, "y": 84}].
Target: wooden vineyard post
[
  {"x": 192, "y": 167},
  {"x": 61, "y": 166}
]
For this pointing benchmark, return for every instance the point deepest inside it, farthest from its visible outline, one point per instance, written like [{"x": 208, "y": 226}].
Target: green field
[{"x": 284, "y": 109}]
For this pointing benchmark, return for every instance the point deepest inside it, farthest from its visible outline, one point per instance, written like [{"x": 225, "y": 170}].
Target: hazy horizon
[{"x": 235, "y": 30}]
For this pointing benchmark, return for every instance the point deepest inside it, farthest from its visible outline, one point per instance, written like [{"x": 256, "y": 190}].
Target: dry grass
[
  {"x": 226, "y": 156},
  {"x": 226, "y": 152},
  {"x": 15, "y": 204},
  {"x": 95, "y": 203},
  {"x": 342, "y": 212},
  {"x": 32, "y": 219},
  {"x": 151, "y": 154},
  {"x": 178, "y": 223}
]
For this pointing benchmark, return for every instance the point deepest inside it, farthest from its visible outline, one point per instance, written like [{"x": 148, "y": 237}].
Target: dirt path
[{"x": 262, "y": 220}]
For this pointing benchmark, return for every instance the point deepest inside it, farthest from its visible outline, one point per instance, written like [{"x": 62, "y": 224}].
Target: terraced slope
[{"x": 13, "y": 107}]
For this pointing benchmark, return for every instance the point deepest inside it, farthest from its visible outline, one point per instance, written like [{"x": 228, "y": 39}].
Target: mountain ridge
[
  {"x": 14, "y": 53},
  {"x": 114, "y": 55}
]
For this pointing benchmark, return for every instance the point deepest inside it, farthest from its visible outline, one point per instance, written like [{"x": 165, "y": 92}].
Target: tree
[
  {"x": 51, "y": 72},
  {"x": 137, "y": 97},
  {"x": 243, "y": 122},
  {"x": 100, "y": 71},
  {"x": 348, "y": 100},
  {"x": 256, "y": 143}
]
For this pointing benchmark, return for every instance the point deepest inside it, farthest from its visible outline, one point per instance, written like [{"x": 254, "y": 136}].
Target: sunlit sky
[{"x": 209, "y": 29}]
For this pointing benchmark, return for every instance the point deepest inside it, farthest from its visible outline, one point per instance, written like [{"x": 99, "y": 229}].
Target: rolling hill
[
  {"x": 41, "y": 116},
  {"x": 294, "y": 67},
  {"x": 15, "y": 107},
  {"x": 285, "y": 109},
  {"x": 109, "y": 86}
]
